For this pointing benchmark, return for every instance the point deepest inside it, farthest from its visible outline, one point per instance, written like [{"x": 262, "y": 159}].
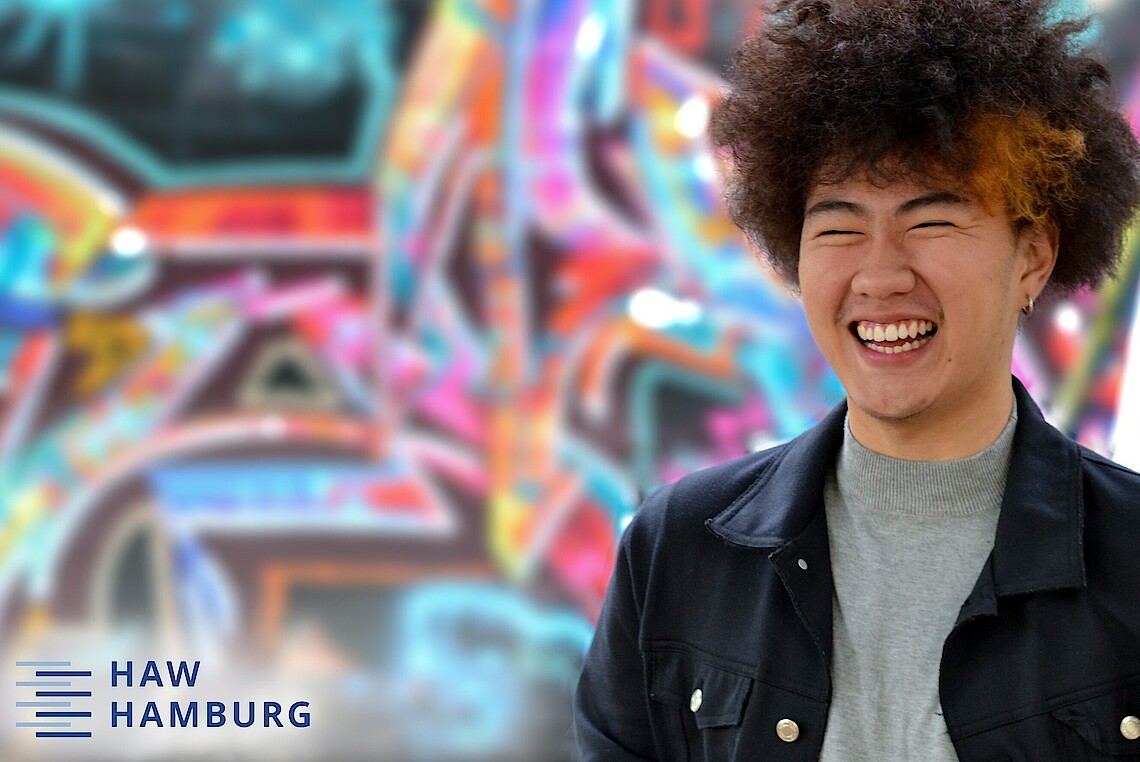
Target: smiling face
[{"x": 912, "y": 292}]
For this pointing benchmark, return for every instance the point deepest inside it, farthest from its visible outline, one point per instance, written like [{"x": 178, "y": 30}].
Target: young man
[{"x": 933, "y": 572}]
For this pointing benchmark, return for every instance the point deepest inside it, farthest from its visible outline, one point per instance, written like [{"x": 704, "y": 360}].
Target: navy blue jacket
[{"x": 708, "y": 592}]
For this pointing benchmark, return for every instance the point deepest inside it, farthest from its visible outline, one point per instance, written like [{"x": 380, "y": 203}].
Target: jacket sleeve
[{"x": 611, "y": 714}]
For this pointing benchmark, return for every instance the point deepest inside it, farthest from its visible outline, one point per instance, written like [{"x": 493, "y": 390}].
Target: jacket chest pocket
[
  {"x": 707, "y": 711},
  {"x": 1099, "y": 724},
  {"x": 1103, "y": 727}
]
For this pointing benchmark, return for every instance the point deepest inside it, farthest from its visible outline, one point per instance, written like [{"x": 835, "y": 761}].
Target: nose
[{"x": 884, "y": 270}]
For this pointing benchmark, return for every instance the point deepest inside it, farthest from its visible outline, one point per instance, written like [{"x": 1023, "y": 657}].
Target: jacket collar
[
  {"x": 1040, "y": 534},
  {"x": 1040, "y": 530}
]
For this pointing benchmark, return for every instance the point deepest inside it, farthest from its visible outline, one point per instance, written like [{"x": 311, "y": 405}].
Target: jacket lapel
[
  {"x": 782, "y": 512},
  {"x": 1040, "y": 533},
  {"x": 788, "y": 494}
]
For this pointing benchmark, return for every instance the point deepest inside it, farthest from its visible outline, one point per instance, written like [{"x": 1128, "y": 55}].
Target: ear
[{"x": 1038, "y": 245}]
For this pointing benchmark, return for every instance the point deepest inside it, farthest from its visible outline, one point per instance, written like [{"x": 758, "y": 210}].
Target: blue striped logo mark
[{"x": 57, "y": 686}]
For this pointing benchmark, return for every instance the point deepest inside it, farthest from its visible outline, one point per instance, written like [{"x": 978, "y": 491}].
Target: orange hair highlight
[{"x": 1026, "y": 165}]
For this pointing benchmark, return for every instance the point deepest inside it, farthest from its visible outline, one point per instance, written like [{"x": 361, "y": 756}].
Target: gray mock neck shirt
[{"x": 908, "y": 540}]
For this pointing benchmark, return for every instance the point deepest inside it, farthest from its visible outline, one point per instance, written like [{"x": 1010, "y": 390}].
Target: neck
[{"x": 937, "y": 435}]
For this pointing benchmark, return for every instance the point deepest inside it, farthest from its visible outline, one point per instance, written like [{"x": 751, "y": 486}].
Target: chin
[{"x": 887, "y": 412}]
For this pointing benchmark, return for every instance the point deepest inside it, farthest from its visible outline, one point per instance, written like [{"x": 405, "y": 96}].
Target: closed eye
[
  {"x": 839, "y": 232},
  {"x": 934, "y": 224}
]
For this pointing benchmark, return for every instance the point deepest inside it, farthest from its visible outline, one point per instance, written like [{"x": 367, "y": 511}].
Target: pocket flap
[
  {"x": 675, "y": 677},
  {"x": 1097, "y": 720}
]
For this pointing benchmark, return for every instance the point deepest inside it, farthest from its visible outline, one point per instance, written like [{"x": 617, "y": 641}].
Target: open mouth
[{"x": 894, "y": 338}]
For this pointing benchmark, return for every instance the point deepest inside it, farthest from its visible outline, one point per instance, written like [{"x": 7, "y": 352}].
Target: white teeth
[
  {"x": 893, "y": 332},
  {"x": 910, "y": 346}
]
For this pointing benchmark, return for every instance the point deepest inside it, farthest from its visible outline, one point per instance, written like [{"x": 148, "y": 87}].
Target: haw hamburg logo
[{"x": 63, "y": 702}]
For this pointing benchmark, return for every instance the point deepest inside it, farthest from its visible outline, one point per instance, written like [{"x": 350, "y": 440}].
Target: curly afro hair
[{"x": 989, "y": 93}]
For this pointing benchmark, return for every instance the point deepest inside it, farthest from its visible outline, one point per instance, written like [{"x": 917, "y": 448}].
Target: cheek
[
  {"x": 823, "y": 285},
  {"x": 822, "y": 310}
]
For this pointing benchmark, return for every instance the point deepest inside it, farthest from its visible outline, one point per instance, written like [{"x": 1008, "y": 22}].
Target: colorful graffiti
[{"x": 349, "y": 335}]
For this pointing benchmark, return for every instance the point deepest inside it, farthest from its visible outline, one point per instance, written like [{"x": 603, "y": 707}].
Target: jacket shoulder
[
  {"x": 1109, "y": 486},
  {"x": 1097, "y": 462}
]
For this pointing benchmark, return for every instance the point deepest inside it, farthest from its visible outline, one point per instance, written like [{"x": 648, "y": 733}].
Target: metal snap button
[
  {"x": 787, "y": 730},
  {"x": 802, "y": 564},
  {"x": 696, "y": 700},
  {"x": 1130, "y": 727}
]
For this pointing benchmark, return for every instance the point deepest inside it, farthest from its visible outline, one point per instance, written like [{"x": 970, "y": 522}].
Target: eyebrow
[
  {"x": 931, "y": 199},
  {"x": 823, "y": 207}
]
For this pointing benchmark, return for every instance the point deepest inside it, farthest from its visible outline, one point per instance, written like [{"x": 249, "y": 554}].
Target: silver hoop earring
[{"x": 1027, "y": 310}]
